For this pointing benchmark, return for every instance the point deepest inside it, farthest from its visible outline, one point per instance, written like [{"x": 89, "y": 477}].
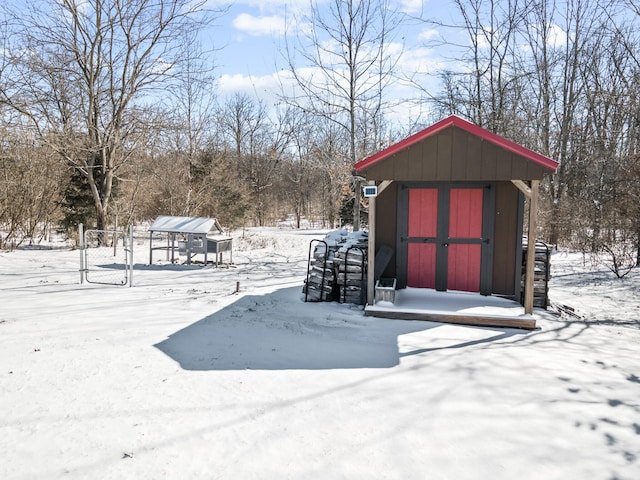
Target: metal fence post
[
  {"x": 131, "y": 255},
  {"x": 81, "y": 250}
]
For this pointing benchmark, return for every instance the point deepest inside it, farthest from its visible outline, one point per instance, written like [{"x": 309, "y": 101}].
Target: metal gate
[{"x": 106, "y": 257}]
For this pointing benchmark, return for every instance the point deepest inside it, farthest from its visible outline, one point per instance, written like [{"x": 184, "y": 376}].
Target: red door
[
  {"x": 465, "y": 234},
  {"x": 448, "y": 257},
  {"x": 423, "y": 227}
]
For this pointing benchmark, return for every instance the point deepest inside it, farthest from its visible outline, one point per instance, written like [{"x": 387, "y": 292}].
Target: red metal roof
[{"x": 472, "y": 128}]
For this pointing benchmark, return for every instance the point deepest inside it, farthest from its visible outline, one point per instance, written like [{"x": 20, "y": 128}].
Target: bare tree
[
  {"x": 488, "y": 77},
  {"x": 191, "y": 108},
  {"x": 78, "y": 68},
  {"x": 309, "y": 170},
  {"x": 29, "y": 190},
  {"x": 347, "y": 49},
  {"x": 608, "y": 193},
  {"x": 559, "y": 37},
  {"x": 258, "y": 143},
  {"x": 629, "y": 72},
  {"x": 328, "y": 152},
  {"x": 521, "y": 73}
]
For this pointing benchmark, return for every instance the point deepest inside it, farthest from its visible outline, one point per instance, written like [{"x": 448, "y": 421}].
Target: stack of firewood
[
  {"x": 542, "y": 273},
  {"x": 337, "y": 271},
  {"x": 351, "y": 268}
]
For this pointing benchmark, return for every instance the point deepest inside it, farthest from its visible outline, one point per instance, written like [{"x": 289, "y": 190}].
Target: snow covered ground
[{"x": 181, "y": 377}]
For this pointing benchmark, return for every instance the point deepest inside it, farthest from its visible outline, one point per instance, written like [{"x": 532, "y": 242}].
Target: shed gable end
[{"x": 455, "y": 150}]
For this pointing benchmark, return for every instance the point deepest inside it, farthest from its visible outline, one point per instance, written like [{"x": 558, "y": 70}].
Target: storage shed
[
  {"x": 194, "y": 235},
  {"x": 450, "y": 203}
]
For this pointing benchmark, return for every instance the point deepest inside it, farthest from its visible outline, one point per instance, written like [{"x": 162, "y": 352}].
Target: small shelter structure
[
  {"x": 449, "y": 201},
  {"x": 194, "y": 235}
]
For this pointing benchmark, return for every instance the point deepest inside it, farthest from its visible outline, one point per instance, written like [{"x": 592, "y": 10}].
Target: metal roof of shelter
[{"x": 194, "y": 225}]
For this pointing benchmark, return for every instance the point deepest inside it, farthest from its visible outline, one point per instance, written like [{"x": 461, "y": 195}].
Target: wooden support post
[
  {"x": 371, "y": 254},
  {"x": 371, "y": 251},
  {"x": 523, "y": 187},
  {"x": 531, "y": 248}
]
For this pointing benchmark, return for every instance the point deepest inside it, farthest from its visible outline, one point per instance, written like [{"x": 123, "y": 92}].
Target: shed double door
[{"x": 447, "y": 238}]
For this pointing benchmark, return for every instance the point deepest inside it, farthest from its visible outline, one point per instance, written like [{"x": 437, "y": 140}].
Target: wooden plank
[
  {"x": 400, "y": 166},
  {"x": 519, "y": 167},
  {"x": 506, "y": 240},
  {"x": 528, "y": 323},
  {"x": 459, "y": 159},
  {"x": 503, "y": 165},
  {"x": 423, "y": 212},
  {"x": 443, "y": 169},
  {"x": 386, "y": 222},
  {"x": 383, "y": 185},
  {"x": 474, "y": 158},
  {"x": 465, "y": 222},
  {"x": 402, "y": 227},
  {"x": 421, "y": 265},
  {"x": 523, "y": 187},
  {"x": 463, "y": 267},
  {"x": 531, "y": 248},
  {"x": 429, "y": 157},
  {"x": 382, "y": 170},
  {"x": 371, "y": 248},
  {"x": 414, "y": 153},
  {"x": 465, "y": 212},
  {"x": 488, "y": 233},
  {"x": 535, "y": 172},
  {"x": 383, "y": 257}
]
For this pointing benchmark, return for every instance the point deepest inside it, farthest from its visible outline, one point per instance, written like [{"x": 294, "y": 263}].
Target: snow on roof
[{"x": 197, "y": 225}]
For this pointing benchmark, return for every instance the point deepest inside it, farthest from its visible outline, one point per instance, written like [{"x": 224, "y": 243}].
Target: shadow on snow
[{"x": 278, "y": 331}]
